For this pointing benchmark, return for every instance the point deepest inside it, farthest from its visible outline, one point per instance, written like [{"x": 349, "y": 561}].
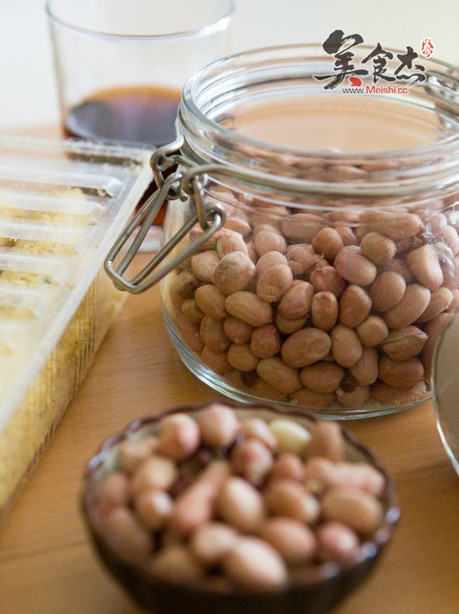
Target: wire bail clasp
[{"x": 211, "y": 217}]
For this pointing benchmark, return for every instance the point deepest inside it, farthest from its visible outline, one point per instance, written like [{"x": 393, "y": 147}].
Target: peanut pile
[
  {"x": 338, "y": 309},
  {"x": 237, "y": 502}
]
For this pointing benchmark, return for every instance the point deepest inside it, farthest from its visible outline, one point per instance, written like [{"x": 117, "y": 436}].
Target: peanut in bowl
[{"x": 228, "y": 508}]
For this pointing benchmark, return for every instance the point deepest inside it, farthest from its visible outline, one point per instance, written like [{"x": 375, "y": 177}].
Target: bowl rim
[{"x": 311, "y": 576}]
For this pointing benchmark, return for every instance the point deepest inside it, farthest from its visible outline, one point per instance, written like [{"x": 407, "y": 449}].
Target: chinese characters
[{"x": 380, "y": 64}]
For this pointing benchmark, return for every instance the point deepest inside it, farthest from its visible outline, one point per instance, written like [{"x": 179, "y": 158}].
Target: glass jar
[{"x": 314, "y": 252}]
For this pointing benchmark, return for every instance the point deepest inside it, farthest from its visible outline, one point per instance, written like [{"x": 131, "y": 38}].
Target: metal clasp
[{"x": 211, "y": 217}]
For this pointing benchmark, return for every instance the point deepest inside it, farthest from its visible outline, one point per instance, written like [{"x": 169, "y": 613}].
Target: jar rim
[{"x": 220, "y": 69}]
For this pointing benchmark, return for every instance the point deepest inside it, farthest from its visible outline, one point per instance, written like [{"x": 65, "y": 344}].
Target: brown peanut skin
[
  {"x": 305, "y": 347},
  {"x": 324, "y": 310},
  {"x": 345, "y": 346},
  {"x": 401, "y": 374},
  {"x": 354, "y": 306}
]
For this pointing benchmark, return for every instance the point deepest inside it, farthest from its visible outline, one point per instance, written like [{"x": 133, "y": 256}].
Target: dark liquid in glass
[
  {"x": 132, "y": 115},
  {"x": 143, "y": 114}
]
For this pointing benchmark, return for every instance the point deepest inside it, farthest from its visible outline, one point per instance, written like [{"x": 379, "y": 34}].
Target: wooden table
[{"x": 48, "y": 567}]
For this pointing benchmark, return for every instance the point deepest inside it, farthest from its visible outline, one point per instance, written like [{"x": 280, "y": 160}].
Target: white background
[{"x": 27, "y": 89}]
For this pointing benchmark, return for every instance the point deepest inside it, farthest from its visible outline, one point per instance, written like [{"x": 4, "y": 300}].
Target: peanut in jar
[{"x": 337, "y": 246}]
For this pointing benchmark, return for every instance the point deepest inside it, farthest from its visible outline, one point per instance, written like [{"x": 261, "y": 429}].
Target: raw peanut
[
  {"x": 404, "y": 246},
  {"x": 153, "y": 507},
  {"x": 322, "y": 377},
  {"x": 194, "y": 507},
  {"x": 305, "y": 347},
  {"x": 279, "y": 375},
  {"x": 191, "y": 311},
  {"x": 354, "y": 306},
  {"x": 211, "y": 242},
  {"x": 365, "y": 370},
  {"x": 233, "y": 273},
  {"x": 154, "y": 473},
  {"x": 327, "y": 278},
  {"x": 252, "y": 252},
  {"x": 133, "y": 452},
  {"x": 425, "y": 266},
  {"x": 190, "y": 334},
  {"x": 176, "y": 563},
  {"x": 450, "y": 271},
  {"x": 347, "y": 235},
  {"x": 324, "y": 310},
  {"x": 400, "y": 266},
  {"x": 378, "y": 248},
  {"x": 404, "y": 343},
  {"x": 354, "y": 267},
  {"x": 327, "y": 243},
  {"x": 448, "y": 235},
  {"x": 114, "y": 491},
  {"x": 267, "y": 261},
  {"x": 315, "y": 400},
  {"x": 286, "y": 326},
  {"x": 216, "y": 361},
  {"x": 294, "y": 541},
  {"x": 359, "y": 510},
  {"x": 212, "y": 542},
  {"x": 241, "y": 357},
  {"x": 249, "y": 308},
  {"x": 263, "y": 390},
  {"x": 213, "y": 334},
  {"x": 413, "y": 304},
  {"x": 296, "y": 302},
  {"x": 290, "y": 499},
  {"x": 231, "y": 242},
  {"x": 265, "y": 341},
  {"x": 239, "y": 225},
  {"x": 291, "y": 437},
  {"x": 241, "y": 505},
  {"x": 454, "y": 305},
  {"x": 257, "y": 428},
  {"x": 210, "y": 301},
  {"x": 236, "y": 330},
  {"x": 252, "y": 460},
  {"x": 179, "y": 436},
  {"x": 323, "y": 473},
  {"x": 356, "y": 397},
  {"x": 326, "y": 441},
  {"x": 265, "y": 227},
  {"x": 401, "y": 374},
  {"x": 337, "y": 542},
  {"x": 301, "y": 227},
  {"x": 219, "y": 426},
  {"x": 125, "y": 536},
  {"x": 320, "y": 264},
  {"x": 345, "y": 345},
  {"x": 203, "y": 265},
  {"x": 389, "y": 395},
  {"x": 387, "y": 291},
  {"x": 242, "y": 564},
  {"x": 396, "y": 225},
  {"x": 287, "y": 466},
  {"x": 301, "y": 258},
  {"x": 274, "y": 282},
  {"x": 265, "y": 242},
  {"x": 186, "y": 283},
  {"x": 439, "y": 301},
  {"x": 433, "y": 329},
  {"x": 372, "y": 331}
]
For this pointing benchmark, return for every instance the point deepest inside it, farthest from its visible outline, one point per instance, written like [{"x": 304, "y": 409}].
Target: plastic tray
[{"x": 62, "y": 204}]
